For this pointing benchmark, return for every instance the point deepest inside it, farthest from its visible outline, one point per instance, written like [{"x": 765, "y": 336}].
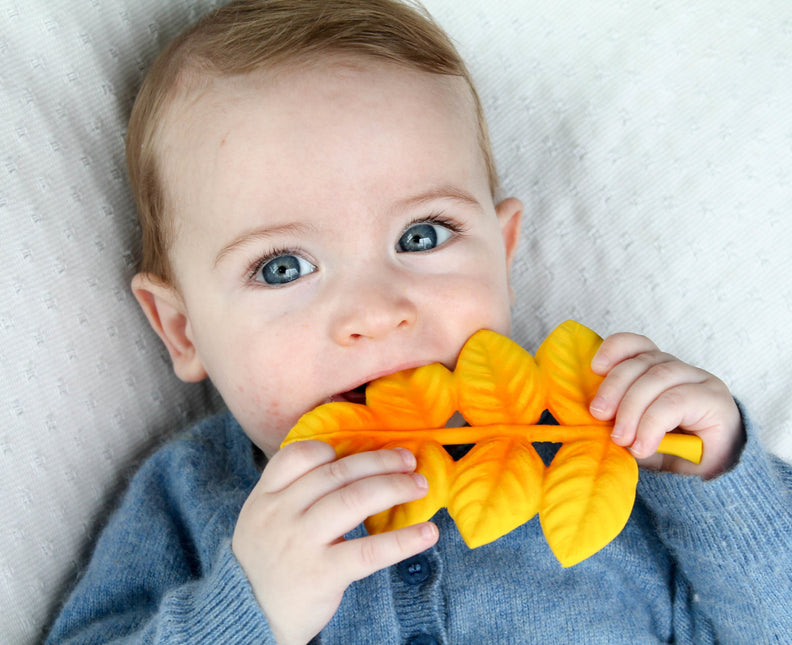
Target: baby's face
[{"x": 333, "y": 224}]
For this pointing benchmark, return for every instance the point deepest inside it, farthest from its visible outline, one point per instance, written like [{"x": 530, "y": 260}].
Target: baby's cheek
[{"x": 264, "y": 418}]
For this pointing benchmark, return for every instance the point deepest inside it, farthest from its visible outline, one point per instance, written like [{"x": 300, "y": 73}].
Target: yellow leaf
[
  {"x": 584, "y": 497},
  {"x": 589, "y": 491},
  {"x": 565, "y": 359},
  {"x": 435, "y": 464},
  {"x": 325, "y": 421},
  {"x": 497, "y": 488},
  {"x": 350, "y": 443},
  {"x": 418, "y": 398},
  {"x": 498, "y": 382}
]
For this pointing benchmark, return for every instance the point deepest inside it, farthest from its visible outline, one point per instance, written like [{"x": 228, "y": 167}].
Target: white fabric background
[{"x": 650, "y": 142}]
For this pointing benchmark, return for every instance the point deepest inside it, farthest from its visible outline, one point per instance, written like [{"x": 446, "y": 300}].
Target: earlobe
[
  {"x": 167, "y": 315},
  {"x": 509, "y": 213}
]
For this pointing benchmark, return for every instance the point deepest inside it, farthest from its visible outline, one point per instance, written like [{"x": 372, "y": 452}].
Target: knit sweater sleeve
[
  {"x": 163, "y": 570},
  {"x": 732, "y": 539}
]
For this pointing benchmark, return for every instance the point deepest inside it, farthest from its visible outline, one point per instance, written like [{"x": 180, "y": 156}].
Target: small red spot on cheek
[{"x": 273, "y": 407}]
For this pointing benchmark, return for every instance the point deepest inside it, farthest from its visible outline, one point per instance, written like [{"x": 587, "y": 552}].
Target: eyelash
[
  {"x": 262, "y": 260},
  {"x": 441, "y": 220}
]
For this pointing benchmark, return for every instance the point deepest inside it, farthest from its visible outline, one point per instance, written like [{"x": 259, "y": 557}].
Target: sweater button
[
  {"x": 414, "y": 571},
  {"x": 423, "y": 639}
]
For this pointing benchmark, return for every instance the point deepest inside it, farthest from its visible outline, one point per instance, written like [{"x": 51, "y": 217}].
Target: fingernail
[
  {"x": 598, "y": 364},
  {"x": 637, "y": 448},
  {"x": 407, "y": 457},
  {"x": 598, "y": 404},
  {"x": 429, "y": 531},
  {"x": 617, "y": 432},
  {"x": 420, "y": 480}
]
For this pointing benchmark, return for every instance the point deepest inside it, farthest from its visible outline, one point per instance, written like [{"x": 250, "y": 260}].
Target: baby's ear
[
  {"x": 509, "y": 213},
  {"x": 167, "y": 314}
]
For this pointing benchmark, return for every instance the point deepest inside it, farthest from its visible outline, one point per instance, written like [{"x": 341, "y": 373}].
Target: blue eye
[
  {"x": 283, "y": 269},
  {"x": 423, "y": 236}
]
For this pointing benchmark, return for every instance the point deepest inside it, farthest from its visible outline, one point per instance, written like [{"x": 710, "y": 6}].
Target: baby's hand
[
  {"x": 289, "y": 535},
  {"x": 648, "y": 393}
]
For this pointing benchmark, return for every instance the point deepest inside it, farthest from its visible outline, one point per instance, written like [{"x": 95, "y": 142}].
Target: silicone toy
[{"x": 584, "y": 497}]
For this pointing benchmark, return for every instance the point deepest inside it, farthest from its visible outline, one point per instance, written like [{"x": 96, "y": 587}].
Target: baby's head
[
  {"x": 316, "y": 191},
  {"x": 249, "y": 35}
]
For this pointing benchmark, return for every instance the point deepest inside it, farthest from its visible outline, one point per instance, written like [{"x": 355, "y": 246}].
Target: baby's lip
[{"x": 357, "y": 394}]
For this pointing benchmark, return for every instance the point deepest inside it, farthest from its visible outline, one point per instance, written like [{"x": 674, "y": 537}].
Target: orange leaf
[
  {"x": 326, "y": 421},
  {"x": 584, "y": 497},
  {"x": 435, "y": 464},
  {"x": 416, "y": 398},
  {"x": 589, "y": 491},
  {"x": 498, "y": 487},
  {"x": 498, "y": 382},
  {"x": 565, "y": 359}
]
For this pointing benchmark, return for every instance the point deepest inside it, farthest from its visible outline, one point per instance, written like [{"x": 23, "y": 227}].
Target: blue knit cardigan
[{"x": 698, "y": 562}]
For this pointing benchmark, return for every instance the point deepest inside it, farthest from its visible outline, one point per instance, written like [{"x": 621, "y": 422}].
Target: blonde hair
[{"x": 249, "y": 34}]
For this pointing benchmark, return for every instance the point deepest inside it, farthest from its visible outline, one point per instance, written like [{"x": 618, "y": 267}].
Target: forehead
[
  {"x": 200, "y": 99},
  {"x": 305, "y": 128}
]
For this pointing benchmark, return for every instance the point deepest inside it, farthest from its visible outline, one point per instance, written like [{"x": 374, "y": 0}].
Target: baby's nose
[{"x": 372, "y": 311}]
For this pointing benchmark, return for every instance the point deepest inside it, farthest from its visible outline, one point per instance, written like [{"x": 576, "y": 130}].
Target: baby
[{"x": 320, "y": 208}]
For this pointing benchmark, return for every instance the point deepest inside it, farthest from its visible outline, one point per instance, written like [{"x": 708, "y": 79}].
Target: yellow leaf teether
[{"x": 584, "y": 497}]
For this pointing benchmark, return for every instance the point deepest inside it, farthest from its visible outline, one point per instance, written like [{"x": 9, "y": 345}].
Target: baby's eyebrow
[
  {"x": 261, "y": 233},
  {"x": 441, "y": 192}
]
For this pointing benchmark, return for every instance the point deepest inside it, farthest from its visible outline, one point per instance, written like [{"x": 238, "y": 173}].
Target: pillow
[{"x": 650, "y": 143}]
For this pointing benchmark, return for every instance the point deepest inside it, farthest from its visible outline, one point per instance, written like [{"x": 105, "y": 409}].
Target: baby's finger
[
  {"x": 705, "y": 409},
  {"x": 617, "y": 348},
  {"x": 342, "y": 510},
  {"x": 621, "y": 378},
  {"x": 293, "y": 462},
  {"x": 338, "y": 473},
  {"x": 363, "y": 556},
  {"x": 657, "y": 383},
  {"x": 665, "y": 414}
]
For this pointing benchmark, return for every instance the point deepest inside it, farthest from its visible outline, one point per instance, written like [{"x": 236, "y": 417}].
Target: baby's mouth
[{"x": 356, "y": 395}]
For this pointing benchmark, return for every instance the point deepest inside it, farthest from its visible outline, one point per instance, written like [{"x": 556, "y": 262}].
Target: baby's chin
[{"x": 268, "y": 438}]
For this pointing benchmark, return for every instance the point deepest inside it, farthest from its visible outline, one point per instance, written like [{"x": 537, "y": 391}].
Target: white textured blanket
[{"x": 650, "y": 142}]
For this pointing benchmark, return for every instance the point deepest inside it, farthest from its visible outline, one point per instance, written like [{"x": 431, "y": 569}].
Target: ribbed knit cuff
[
  {"x": 220, "y": 609},
  {"x": 744, "y": 513}
]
